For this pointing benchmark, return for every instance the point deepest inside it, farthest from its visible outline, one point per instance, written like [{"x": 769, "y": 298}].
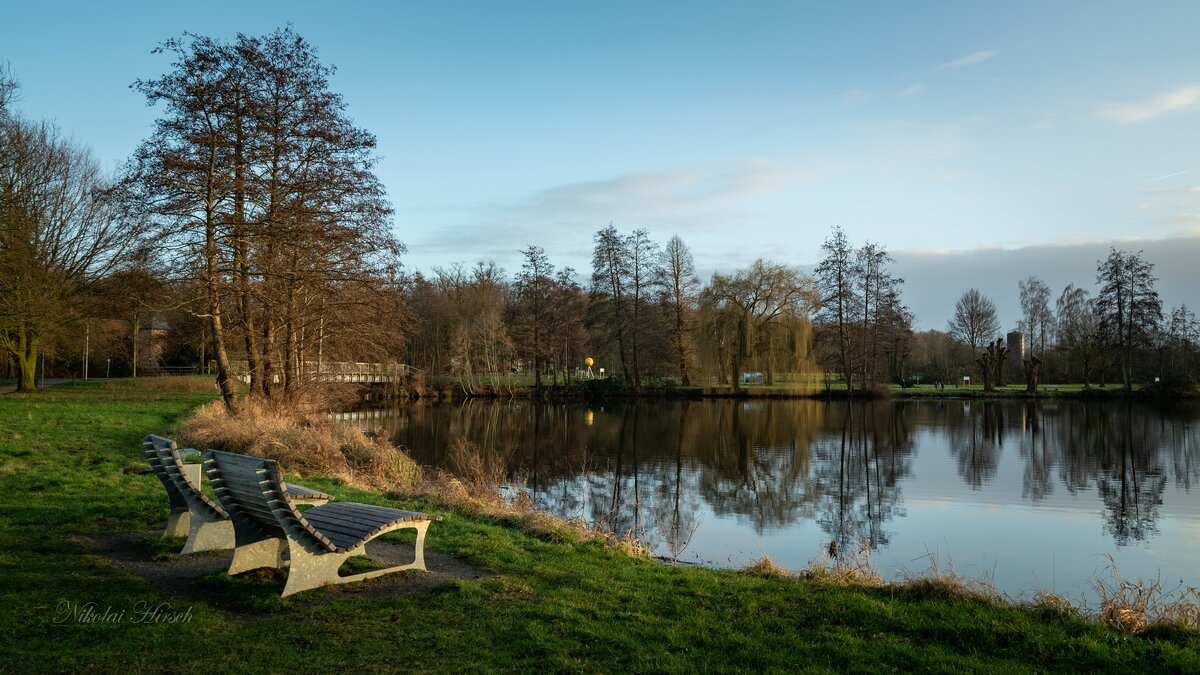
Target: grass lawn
[{"x": 69, "y": 458}]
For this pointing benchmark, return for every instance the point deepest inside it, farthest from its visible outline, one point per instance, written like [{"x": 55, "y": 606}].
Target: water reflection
[{"x": 671, "y": 469}]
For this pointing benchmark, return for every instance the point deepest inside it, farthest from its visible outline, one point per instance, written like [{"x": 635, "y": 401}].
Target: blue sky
[{"x": 941, "y": 130}]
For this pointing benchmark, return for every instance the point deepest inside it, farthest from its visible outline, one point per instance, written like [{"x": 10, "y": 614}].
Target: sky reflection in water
[{"x": 1031, "y": 495}]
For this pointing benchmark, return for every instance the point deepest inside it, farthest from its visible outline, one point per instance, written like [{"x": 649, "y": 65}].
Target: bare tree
[
  {"x": 643, "y": 270},
  {"x": 1128, "y": 305},
  {"x": 256, "y": 174},
  {"x": 610, "y": 272},
  {"x": 1078, "y": 330},
  {"x": 680, "y": 285},
  {"x": 974, "y": 322},
  {"x": 533, "y": 292},
  {"x": 1037, "y": 320},
  {"x": 882, "y": 314},
  {"x": 839, "y": 301},
  {"x": 61, "y": 232}
]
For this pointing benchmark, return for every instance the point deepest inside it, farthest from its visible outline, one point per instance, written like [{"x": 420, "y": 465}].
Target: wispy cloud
[
  {"x": 914, "y": 89},
  {"x": 1183, "y": 98},
  {"x": 1165, "y": 176},
  {"x": 970, "y": 59},
  {"x": 642, "y": 192},
  {"x": 694, "y": 198}
]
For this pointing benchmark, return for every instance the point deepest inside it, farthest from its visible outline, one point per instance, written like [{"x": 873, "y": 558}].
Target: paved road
[{"x": 48, "y": 382}]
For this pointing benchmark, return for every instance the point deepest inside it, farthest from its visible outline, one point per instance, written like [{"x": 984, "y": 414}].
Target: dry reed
[
  {"x": 853, "y": 571},
  {"x": 765, "y": 567},
  {"x": 1136, "y": 606}
]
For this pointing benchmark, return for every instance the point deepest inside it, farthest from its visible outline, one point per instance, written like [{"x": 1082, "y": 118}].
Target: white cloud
[
  {"x": 970, "y": 59},
  {"x": 652, "y": 192},
  {"x": 913, "y": 89},
  {"x": 1184, "y": 98}
]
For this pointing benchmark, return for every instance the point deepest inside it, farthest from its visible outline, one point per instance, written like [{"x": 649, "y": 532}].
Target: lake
[{"x": 1030, "y": 495}]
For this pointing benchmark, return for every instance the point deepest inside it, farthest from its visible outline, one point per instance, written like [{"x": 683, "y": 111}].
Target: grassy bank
[{"x": 70, "y": 462}]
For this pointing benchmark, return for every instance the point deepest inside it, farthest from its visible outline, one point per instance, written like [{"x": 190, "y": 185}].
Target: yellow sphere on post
[{"x": 588, "y": 362}]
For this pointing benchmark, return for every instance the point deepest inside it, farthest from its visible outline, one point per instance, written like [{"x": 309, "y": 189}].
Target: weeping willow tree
[{"x": 756, "y": 319}]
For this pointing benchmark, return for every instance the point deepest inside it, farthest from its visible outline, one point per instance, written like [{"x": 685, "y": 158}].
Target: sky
[{"x": 979, "y": 143}]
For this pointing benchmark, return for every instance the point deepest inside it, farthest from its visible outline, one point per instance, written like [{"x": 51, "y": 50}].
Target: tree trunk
[
  {"x": 26, "y": 358},
  {"x": 212, "y": 277},
  {"x": 1033, "y": 369}
]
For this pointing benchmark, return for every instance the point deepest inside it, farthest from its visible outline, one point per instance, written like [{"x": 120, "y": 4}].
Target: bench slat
[
  {"x": 358, "y": 533},
  {"x": 391, "y": 514},
  {"x": 345, "y": 519}
]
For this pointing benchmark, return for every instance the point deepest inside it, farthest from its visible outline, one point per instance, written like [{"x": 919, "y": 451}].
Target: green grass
[{"x": 70, "y": 461}]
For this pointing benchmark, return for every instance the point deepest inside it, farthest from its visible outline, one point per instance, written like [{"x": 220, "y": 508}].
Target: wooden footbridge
[{"x": 343, "y": 371}]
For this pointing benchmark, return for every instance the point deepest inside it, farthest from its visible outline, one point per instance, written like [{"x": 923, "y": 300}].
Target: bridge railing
[{"x": 340, "y": 371}]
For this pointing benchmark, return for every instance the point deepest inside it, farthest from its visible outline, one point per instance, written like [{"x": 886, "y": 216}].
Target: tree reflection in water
[{"x": 659, "y": 467}]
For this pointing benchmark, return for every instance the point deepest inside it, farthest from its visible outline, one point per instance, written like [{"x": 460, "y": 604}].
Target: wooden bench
[
  {"x": 193, "y": 515},
  {"x": 266, "y": 525}
]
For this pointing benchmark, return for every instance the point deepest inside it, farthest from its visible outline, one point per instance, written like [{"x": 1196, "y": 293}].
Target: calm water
[{"x": 1029, "y": 495}]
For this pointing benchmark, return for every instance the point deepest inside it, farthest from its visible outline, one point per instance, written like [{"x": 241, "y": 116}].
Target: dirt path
[
  {"x": 176, "y": 576},
  {"x": 48, "y": 382}
]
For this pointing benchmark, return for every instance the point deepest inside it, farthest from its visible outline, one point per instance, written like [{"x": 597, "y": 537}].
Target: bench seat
[{"x": 271, "y": 532}]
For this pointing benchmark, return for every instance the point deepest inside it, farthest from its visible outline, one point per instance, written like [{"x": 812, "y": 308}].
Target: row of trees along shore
[{"x": 249, "y": 230}]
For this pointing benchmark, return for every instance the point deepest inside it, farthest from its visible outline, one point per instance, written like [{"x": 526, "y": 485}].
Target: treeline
[
  {"x": 250, "y": 232},
  {"x": 643, "y": 317},
  {"x": 1119, "y": 335}
]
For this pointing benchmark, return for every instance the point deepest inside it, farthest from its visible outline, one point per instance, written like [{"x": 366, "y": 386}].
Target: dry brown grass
[
  {"x": 1136, "y": 606},
  {"x": 303, "y": 444},
  {"x": 166, "y": 383},
  {"x": 852, "y": 570},
  {"x": 1053, "y": 604},
  {"x": 765, "y": 567},
  {"x": 940, "y": 581}
]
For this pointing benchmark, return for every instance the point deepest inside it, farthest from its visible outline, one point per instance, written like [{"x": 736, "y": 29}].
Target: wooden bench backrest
[
  {"x": 164, "y": 459},
  {"x": 252, "y": 488}
]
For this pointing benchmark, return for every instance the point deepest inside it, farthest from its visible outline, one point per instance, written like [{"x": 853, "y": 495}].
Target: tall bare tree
[
  {"x": 610, "y": 272},
  {"x": 1078, "y": 331},
  {"x": 1036, "y": 321},
  {"x": 533, "y": 292},
  {"x": 255, "y": 173},
  {"x": 839, "y": 299},
  {"x": 679, "y": 287},
  {"x": 974, "y": 322},
  {"x": 1128, "y": 305}
]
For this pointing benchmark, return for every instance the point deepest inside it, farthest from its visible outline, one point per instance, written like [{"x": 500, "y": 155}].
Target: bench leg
[
  {"x": 313, "y": 570},
  {"x": 178, "y": 524},
  {"x": 263, "y": 553},
  {"x": 208, "y": 535}
]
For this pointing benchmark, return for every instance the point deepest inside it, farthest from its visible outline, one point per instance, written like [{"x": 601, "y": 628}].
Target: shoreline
[{"x": 609, "y": 389}]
